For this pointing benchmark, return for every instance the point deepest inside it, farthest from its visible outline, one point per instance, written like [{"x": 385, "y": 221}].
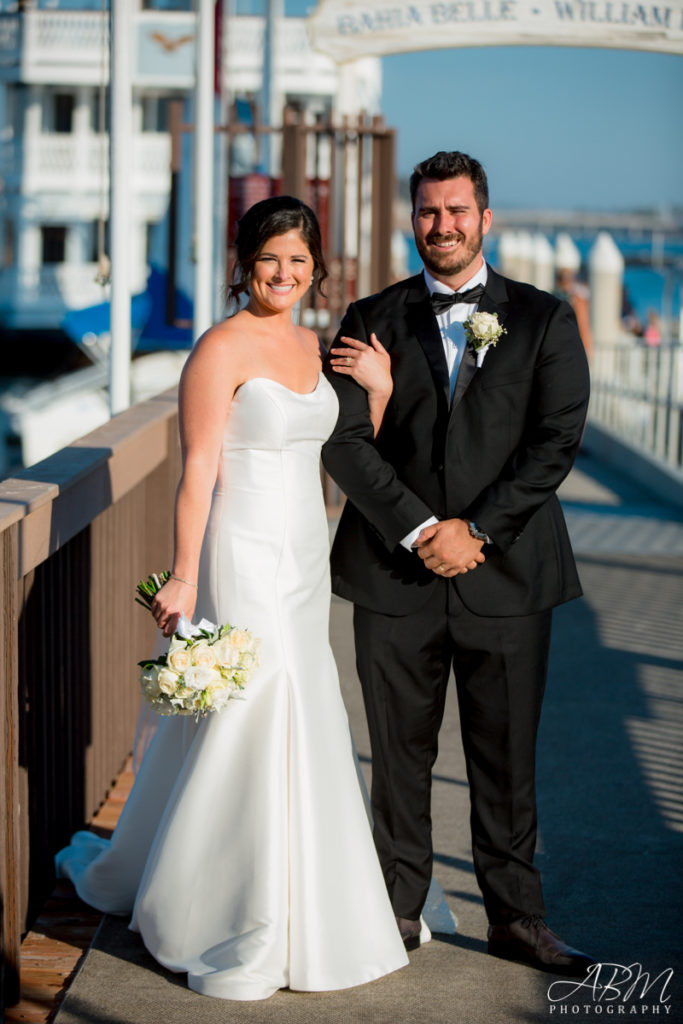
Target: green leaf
[{"x": 150, "y": 662}]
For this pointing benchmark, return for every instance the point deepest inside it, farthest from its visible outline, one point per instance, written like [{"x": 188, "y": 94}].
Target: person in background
[
  {"x": 573, "y": 291},
  {"x": 629, "y": 317},
  {"x": 652, "y": 335}
]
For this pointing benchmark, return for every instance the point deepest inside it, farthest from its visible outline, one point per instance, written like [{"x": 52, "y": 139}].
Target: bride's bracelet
[{"x": 179, "y": 579}]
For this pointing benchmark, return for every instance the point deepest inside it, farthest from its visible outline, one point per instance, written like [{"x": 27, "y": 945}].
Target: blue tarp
[
  {"x": 148, "y": 318},
  {"x": 157, "y": 334},
  {"x": 97, "y": 319}
]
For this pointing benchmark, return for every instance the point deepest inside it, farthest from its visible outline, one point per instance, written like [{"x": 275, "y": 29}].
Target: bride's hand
[
  {"x": 369, "y": 365},
  {"x": 173, "y": 600}
]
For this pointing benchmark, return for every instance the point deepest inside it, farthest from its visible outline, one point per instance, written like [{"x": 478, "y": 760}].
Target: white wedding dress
[{"x": 244, "y": 851}]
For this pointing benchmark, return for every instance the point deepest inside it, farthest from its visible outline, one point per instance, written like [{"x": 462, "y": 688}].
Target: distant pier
[{"x": 658, "y": 223}]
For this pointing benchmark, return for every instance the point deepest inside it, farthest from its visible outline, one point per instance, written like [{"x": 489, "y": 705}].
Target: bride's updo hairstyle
[{"x": 274, "y": 216}]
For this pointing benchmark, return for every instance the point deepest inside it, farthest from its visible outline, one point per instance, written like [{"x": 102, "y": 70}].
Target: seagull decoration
[{"x": 168, "y": 44}]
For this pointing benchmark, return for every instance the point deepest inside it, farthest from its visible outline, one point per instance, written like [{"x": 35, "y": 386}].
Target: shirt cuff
[{"x": 409, "y": 540}]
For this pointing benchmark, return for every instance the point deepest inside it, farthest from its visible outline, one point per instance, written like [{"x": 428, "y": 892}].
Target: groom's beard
[{"x": 447, "y": 264}]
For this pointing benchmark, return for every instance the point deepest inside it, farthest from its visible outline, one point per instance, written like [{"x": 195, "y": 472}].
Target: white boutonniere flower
[{"x": 482, "y": 330}]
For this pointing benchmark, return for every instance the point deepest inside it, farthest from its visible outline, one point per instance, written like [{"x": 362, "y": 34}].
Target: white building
[{"x": 54, "y": 187}]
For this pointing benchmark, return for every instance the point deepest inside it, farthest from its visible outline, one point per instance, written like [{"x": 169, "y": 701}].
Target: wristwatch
[{"x": 477, "y": 533}]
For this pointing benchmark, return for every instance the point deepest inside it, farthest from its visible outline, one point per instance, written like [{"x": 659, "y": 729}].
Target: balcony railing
[
  {"x": 72, "y": 46},
  {"x": 54, "y": 162},
  {"x": 301, "y": 68},
  {"x": 43, "y": 44},
  {"x": 76, "y": 533}
]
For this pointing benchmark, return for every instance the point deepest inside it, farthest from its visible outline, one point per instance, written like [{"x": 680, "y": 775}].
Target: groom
[{"x": 453, "y": 548}]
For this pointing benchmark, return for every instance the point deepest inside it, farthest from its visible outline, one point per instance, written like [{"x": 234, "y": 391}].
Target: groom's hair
[{"x": 444, "y": 165}]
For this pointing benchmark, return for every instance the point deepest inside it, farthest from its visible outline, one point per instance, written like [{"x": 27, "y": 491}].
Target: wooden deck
[{"x": 52, "y": 951}]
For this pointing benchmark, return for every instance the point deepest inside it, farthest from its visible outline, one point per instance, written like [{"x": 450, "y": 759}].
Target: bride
[{"x": 244, "y": 851}]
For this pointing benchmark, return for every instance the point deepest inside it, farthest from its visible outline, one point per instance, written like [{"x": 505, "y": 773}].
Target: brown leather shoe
[
  {"x": 529, "y": 941},
  {"x": 410, "y": 932}
]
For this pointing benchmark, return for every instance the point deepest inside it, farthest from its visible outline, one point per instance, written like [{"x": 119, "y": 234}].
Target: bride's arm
[
  {"x": 208, "y": 381},
  {"x": 370, "y": 366}
]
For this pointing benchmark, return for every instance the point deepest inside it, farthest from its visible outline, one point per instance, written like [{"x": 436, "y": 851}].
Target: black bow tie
[{"x": 441, "y": 302}]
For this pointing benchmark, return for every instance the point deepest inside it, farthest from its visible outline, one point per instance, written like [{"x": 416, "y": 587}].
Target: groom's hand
[{"x": 448, "y": 548}]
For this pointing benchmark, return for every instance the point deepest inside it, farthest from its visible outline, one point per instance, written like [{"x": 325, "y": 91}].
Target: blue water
[{"x": 647, "y": 288}]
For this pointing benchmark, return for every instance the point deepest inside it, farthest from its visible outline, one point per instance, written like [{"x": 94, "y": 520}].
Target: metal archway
[{"x": 348, "y": 29}]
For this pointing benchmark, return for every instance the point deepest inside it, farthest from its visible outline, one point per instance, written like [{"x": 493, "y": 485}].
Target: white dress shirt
[
  {"x": 451, "y": 320},
  {"x": 450, "y": 324}
]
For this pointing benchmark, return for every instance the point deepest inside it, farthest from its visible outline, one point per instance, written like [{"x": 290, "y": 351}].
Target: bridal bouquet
[{"x": 205, "y": 666}]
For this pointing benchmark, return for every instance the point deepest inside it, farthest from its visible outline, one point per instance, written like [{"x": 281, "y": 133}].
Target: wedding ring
[
  {"x": 348, "y": 360},
  {"x": 441, "y": 566}
]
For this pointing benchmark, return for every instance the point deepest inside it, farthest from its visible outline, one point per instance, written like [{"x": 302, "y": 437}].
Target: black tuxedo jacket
[{"x": 495, "y": 455}]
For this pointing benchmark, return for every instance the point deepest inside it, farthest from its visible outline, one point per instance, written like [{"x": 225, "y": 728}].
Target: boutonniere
[{"x": 482, "y": 330}]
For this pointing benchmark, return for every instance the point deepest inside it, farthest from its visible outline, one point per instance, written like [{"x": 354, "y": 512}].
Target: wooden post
[
  {"x": 567, "y": 255},
  {"x": 293, "y": 155},
  {"x": 606, "y": 271},
  {"x": 10, "y": 915},
  {"x": 543, "y": 263},
  {"x": 383, "y": 194},
  {"x": 507, "y": 254},
  {"x": 343, "y": 215}
]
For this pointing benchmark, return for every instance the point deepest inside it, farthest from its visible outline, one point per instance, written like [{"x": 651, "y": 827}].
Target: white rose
[
  {"x": 484, "y": 325},
  {"x": 168, "y": 681},
  {"x": 178, "y": 659},
  {"x": 217, "y": 698},
  {"x": 203, "y": 655},
  {"x": 226, "y": 654},
  {"x": 239, "y": 639},
  {"x": 199, "y": 677}
]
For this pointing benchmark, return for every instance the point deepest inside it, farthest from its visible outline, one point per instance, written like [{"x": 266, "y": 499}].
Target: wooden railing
[{"x": 76, "y": 533}]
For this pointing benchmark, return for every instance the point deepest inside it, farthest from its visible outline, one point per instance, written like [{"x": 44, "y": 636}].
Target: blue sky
[{"x": 556, "y": 127}]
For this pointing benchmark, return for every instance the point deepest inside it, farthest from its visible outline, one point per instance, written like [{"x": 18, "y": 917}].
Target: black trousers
[{"x": 500, "y": 667}]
